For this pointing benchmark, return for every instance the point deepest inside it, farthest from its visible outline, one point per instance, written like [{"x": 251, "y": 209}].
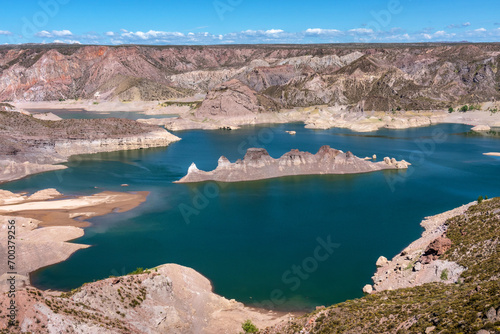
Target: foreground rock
[
  {"x": 418, "y": 263},
  {"x": 429, "y": 305},
  {"x": 258, "y": 164},
  {"x": 166, "y": 299}
]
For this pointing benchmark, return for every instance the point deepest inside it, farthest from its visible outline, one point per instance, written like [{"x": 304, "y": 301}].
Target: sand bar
[{"x": 45, "y": 222}]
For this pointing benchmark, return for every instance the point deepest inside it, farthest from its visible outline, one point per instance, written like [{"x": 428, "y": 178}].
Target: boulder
[
  {"x": 435, "y": 249},
  {"x": 417, "y": 266},
  {"x": 369, "y": 289},
  {"x": 480, "y": 128},
  {"x": 382, "y": 261},
  {"x": 492, "y": 315}
]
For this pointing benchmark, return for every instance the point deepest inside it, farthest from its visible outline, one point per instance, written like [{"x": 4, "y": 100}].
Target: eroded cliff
[{"x": 258, "y": 164}]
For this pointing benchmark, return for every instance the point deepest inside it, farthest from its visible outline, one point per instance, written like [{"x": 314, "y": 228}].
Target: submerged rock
[{"x": 480, "y": 128}]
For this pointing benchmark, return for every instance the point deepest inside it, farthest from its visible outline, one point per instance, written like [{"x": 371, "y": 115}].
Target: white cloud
[
  {"x": 66, "y": 41},
  {"x": 152, "y": 34},
  {"x": 60, "y": 33},
  {"x": 457, "y": 26},
  {"x": 110, "y": 33},
  {"x": 53, "y": 33},
  {"x": 362, "y": 31},
  {"x": 310, "y": 35},
  {"x": 5, "y": 32},
  {"x": 274, "y": 31},
  {"x": 43, "y": 33},
  {"x": 319, "y": 31}
]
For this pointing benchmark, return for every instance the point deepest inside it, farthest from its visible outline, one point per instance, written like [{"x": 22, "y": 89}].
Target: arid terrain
[
  {"x": 266, "y": 78},
  {"x": 29, "y": 145},
  {"x": 175, "y": 299},
  {"x": 445, "y": 282}
]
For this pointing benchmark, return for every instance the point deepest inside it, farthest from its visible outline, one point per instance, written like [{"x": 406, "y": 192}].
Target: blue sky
[{"x": 248, "y": 21}]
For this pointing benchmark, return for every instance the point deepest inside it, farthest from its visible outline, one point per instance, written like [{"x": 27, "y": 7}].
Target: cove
[{"x": 257, "y": 241}]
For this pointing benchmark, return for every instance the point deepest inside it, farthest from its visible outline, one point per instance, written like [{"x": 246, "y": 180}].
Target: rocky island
[{"x": 258, "y": 164}]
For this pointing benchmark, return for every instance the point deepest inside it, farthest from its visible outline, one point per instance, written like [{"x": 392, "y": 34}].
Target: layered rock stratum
[
  {"x": 29, "y": 145},
  {"x": 258, "y": 164},
  {"x": 378, "y": 77}
]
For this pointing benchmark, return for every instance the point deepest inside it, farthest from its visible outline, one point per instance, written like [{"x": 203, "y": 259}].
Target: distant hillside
[{"x": 361, "y": 76}]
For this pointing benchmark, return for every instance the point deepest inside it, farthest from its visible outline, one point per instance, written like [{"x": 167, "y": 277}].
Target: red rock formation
[
  {"x": 435, "y": 249},
  {"x": 233, "y": 98}
]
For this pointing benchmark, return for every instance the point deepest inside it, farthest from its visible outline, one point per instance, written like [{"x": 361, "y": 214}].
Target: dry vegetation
[{"x": 467, "y": 307}]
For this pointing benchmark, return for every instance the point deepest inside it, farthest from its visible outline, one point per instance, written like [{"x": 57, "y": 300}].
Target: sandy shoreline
[
  {"x": 46, "y": 221},
  {"x": 401, "y": 272}
]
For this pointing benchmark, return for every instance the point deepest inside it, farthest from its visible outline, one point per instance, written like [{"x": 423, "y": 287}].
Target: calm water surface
[
  {"x": 85, "y": 114},
  {"x": 258, "y": 240}
]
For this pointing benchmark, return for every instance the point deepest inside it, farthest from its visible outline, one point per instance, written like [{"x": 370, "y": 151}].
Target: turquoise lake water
[
  {"x": 250, "y": 238},
  {"x": 85, "y": 114}
]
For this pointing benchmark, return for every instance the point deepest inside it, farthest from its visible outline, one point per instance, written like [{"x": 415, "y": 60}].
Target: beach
[{"x": 46, "y": 221}]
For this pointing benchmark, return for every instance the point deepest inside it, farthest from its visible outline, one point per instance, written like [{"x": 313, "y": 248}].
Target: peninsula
[
  {"x": 258, "y": 164},
  {"x": 29, "y": 145}
]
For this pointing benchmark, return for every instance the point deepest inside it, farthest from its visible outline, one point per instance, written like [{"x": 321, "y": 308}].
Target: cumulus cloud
[
  {"x": 43, "y": 33},
  {"x": 152, "y": 34},
  {"x": 274, "y": 35},
  {"x": 53, "y": 33},
  {"x": 457, "y": 26},
  {"x": 66, "y": 41},
  {"x": 319, "y": 31},
  {"x": 274, "y": 31},
  {"x": 61, "y": 33},
  {"x": 361, "y": 31}
]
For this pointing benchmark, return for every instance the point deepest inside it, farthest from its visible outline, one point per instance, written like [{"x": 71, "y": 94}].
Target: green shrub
[
  {"x": 450, "y": 110},
  {"x": 137, "y": 271},
  {"x": 249, "y": 327},
  {"x": 464, "y": 108},
  {"x": 479, "y": 199},
  {"x": 444, "y": 274}
]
